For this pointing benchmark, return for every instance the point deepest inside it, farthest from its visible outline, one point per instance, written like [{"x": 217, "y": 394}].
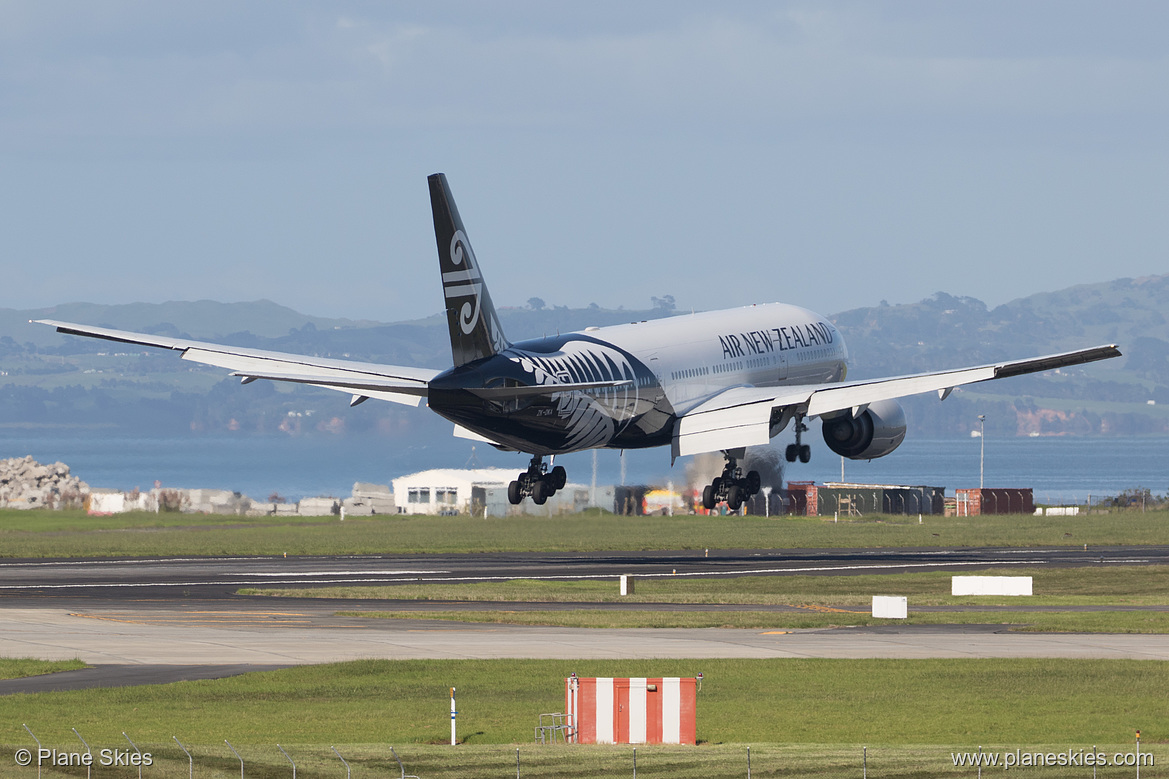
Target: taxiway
[{"x": 144, "y": 621}]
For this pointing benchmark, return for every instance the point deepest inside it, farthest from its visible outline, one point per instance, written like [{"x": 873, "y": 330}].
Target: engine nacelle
[{"x": 878, "y": 430}]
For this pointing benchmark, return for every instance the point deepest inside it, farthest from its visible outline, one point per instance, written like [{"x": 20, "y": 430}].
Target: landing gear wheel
[
  {"x": 708, "y": 498},
  {"x": 734, "y": 497},
  {"x": 537, "y": 481},
  {"x": 799, "y": 450},
  {"x": 752, "y": 483},
  {"x": 558, "y": 477},
  {"x": 717, "y": 485}
]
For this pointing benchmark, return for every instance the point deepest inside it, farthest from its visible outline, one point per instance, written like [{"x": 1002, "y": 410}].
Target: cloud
[
  {"x": 143, "y": 69},
  {"x": 248, "y": 150}
]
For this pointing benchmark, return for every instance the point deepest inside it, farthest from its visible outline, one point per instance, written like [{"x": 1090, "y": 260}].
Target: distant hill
[
  {"x": 50, "y": 380},
  {"x": 945, "y": 331},
  {"x": 207, "y": 318}
]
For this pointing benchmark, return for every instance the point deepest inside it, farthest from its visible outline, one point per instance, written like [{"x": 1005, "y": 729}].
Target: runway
[
  {"x": 220, "y": 577},
  {"x": 144, "y": 621}
]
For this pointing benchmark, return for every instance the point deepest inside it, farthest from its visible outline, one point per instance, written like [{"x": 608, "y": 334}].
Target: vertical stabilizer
[{"x": 474, "y": 326}]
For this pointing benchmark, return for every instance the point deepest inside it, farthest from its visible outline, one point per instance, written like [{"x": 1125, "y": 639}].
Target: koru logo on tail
[{"x": 464, "y": 283}]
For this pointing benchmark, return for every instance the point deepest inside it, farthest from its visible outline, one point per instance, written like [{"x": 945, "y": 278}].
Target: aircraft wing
[
  {"x": 363, "y": 379},
  {"x": 743, "y": 416}
]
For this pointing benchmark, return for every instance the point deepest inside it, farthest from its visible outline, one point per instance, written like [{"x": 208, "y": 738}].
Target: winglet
[{"x": 474, "y": 326}]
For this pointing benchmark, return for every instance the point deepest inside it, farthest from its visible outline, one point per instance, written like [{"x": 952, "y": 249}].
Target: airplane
[{"x": 715, "y": 381}]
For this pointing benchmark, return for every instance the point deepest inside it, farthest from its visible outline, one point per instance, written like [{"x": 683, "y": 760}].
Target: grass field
[
  {"x": 822, "y": 601},
  {"x": 19, "y": 667},
  {"x": 35, "y": 534},
  {"x": 1089, "y": 586},
  {"x": 800, "y": 717},
  {"x": 767, "y": 761},
  {"x": 804, "y": 717},
  {"x": 1045, "y": 622}
]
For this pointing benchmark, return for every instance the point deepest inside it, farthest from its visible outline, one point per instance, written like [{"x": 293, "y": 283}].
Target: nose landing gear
[
  {"x": 538, "y": 482},
  {"x": 732, "y": 487}
]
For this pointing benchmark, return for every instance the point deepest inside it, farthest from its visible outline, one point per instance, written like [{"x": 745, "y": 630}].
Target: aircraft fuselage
[{"x": 667, "y": 366}]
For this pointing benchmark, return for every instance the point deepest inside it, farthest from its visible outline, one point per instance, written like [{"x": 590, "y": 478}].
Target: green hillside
[
  {"x": 51, "y": 380},
  {"x": 1104, "y": 398}
]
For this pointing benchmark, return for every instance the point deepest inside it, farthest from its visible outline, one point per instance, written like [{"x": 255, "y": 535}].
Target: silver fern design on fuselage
[
  {"x": 593, "y": 418},
  {"x": 564, "y": 395}
]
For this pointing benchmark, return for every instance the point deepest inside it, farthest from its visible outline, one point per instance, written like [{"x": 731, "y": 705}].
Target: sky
[{"x": 830, "y": 154}]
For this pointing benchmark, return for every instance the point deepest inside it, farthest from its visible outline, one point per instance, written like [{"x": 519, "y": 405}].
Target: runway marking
[{"x": 567, "y": 577}]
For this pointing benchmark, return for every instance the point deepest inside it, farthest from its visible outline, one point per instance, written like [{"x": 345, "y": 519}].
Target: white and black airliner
[{"x": 718, "y": 381}]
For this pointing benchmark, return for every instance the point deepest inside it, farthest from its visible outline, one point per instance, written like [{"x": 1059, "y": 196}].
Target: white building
[
  {"x": 445, "y": 490},
  {"x": 572, "y": 499}
]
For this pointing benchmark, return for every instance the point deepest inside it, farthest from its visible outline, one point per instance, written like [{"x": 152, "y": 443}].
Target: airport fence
[
  {"x": 426, "y": 761},
  {"x": 1137, "y": 499}
]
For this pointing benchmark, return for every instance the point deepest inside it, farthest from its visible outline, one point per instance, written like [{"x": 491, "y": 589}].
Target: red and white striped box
[{"x": 606, "y": 710}]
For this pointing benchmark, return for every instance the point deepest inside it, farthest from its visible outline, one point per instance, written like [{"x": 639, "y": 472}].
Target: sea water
[{"x": 1058, "y": 469}]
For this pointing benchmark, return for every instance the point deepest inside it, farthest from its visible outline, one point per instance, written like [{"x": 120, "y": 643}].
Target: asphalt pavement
[{"x": 148, "y": 621}]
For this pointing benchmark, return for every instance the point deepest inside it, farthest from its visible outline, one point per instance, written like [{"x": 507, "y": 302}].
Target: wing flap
[
  {"x": 360, "y": 384},
  {"x": 729, "y": 429},
  {"x": 740, "y": 416}
]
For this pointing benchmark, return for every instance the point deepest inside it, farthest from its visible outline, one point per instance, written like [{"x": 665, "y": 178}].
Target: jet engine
[{"x": 875, "y": 432}]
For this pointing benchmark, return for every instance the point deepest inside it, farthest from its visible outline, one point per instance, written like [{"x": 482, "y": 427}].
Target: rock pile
[{"x": 26, "y": 484}]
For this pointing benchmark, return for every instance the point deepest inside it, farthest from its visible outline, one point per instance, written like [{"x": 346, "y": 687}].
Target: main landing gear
[
  {"x": 732, "y": 486},
  {"x": 538, "y": 482},
  {"x": 799, "y": 451}
]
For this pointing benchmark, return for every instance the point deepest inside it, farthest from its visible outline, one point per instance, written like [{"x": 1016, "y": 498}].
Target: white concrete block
[
  {"x": 318, "y": 507},
  {"x": 357, "y": 507},
  {"x": 626, "y": 584},
  {"x": 107, "y": 503},
  {"x": 990, "y": 585},
  {"x": 890, "y": 606}
]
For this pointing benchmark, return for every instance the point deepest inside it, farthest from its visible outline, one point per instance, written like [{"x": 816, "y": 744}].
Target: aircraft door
[{"x": 657, "y": 394}]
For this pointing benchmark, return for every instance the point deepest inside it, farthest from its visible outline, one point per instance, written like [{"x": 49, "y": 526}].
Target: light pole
[{"x": 982, "y": 447}]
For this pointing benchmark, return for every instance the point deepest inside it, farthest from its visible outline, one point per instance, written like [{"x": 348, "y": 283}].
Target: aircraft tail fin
[{"x": 474, "y": 326}]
